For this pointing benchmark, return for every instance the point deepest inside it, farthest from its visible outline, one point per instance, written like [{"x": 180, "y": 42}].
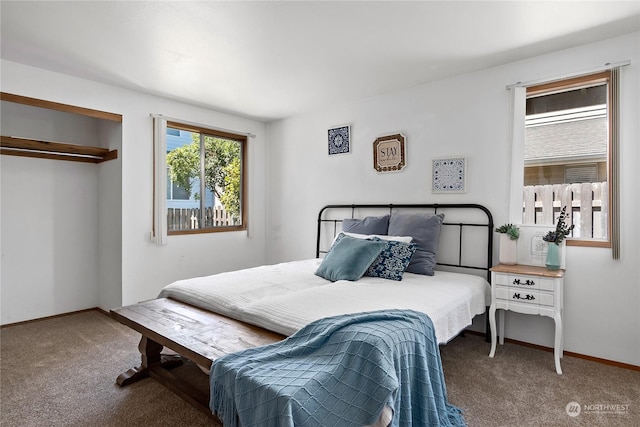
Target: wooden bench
[{"x": 195, "y": 334}]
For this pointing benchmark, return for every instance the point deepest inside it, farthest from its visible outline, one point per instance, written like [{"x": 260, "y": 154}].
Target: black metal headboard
[{"x": 456, "y": 235}]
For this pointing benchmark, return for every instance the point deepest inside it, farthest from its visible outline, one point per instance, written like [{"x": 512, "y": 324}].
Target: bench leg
[{"x": 150, "y": 359}]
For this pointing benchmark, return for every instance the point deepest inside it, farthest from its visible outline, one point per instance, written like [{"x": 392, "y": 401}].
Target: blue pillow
[
  {"x": 349, "y": 258},
  {"x": 368, "y": 225},
  {"x": 392, "y": 261},
  {"x": 425, "y": 230},
  {"x": 337, "y": 239}
]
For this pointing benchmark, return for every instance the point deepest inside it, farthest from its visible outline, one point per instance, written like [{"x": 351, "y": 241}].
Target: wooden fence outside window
[
  {"x": 587, "y": 202},
  {"x": 189, "y": 219}
]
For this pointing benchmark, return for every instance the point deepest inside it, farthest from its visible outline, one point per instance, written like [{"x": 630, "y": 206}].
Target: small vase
[
  {"x": 553, "y": 257},
  {"x": 508, "y": 250}
]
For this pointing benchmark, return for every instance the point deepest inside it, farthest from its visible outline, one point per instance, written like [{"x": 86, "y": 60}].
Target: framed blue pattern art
[
  {"x": 339, "y": 140},
  {"x": 449, "y": 175}
]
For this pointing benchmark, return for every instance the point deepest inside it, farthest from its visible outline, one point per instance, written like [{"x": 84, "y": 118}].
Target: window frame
[
  {"x": 574, "y": 83},
  {"x": 242, "y": 139}
]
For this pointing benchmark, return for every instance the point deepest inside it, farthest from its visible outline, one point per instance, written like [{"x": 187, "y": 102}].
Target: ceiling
[{"x": 269, "y": 60}]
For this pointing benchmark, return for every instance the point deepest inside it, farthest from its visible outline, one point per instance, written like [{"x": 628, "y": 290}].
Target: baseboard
[
  {"x": 566, "y": 353},
  {"x": 54, "y": 317}
]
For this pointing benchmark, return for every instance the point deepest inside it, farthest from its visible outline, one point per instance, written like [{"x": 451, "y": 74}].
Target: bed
[{"x": 203, "y": 319}]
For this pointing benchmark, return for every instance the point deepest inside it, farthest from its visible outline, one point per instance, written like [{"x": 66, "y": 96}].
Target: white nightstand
[{"x": 530, "y": 290}]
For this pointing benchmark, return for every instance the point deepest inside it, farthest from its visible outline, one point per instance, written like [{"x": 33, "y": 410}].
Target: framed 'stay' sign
[{"x": 389, "y": 153}]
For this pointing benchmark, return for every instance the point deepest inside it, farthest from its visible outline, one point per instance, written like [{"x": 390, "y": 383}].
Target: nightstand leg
[
  {"x": 561, "y": 340},
  {"x": 501, "y": 327},
  {"x": 558, "y": 344},
  {"x": 492, "y": 324}
]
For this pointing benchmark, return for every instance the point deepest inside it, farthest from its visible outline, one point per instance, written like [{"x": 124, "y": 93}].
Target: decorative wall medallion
[
  {"x": 449, "y": 175},
  {"x": 340, "y": 140},
  {"x": 389, "y": 153}
]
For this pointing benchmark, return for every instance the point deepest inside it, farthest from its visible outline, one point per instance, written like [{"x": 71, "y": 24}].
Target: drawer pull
[
  {"x": 527, "y": 297},
  {"x": 526, "y": 283}
]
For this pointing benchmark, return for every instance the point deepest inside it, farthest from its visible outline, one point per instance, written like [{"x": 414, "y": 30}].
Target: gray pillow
[
  {"x": 368, "y": 225},
  {"x": 425, "y": 230}
]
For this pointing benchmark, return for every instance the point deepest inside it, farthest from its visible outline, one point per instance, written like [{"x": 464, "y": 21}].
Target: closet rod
[{"x": 27, "y": 147}]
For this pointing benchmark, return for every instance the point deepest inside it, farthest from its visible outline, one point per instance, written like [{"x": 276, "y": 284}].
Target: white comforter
[{"x": 285, "y": 297}]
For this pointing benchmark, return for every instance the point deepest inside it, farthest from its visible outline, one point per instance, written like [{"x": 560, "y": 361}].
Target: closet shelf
[{"x": 26, "y": 147}]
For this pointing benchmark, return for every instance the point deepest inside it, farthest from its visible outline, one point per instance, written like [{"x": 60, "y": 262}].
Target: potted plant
[
  {"x": 509, "y": 234},
  {"x": 555, "y": 238}
]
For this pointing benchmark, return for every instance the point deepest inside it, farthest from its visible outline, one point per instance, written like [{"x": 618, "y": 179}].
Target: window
[
  {"x": 205, "y": 180},
  {"x": 567, "y": 156}
]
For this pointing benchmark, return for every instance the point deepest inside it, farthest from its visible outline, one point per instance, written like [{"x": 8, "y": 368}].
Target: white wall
[
  {"x": 49, "y": 235},
  {"x": 110, "y": 218},
  {"x": 467, "y": 115},
  {"x": 145, "y": 267}
]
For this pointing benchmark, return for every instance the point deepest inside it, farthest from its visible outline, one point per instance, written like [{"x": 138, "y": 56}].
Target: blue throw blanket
[{"x": 338, "y": 371}]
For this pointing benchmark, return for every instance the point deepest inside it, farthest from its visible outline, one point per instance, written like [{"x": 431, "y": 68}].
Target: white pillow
[{"x": 405, "y": 239}]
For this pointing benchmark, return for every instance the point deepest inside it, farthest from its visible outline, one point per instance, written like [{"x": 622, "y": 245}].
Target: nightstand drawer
[
  {"x": 526, "y": 282},
  {"x": 524, "y": 296}
]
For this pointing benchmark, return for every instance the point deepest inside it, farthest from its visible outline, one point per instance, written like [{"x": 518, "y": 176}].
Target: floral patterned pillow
[{"x": 392, "y": 261}]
